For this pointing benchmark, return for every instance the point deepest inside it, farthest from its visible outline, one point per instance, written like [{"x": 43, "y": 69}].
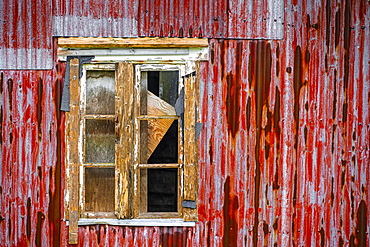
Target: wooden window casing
[{"x": 128, "y": 202}]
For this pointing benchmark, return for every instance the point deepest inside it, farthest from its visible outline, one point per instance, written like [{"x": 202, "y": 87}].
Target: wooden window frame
[
  {"x": 139, "y": 203},
  {"x": 127, "y": 177}
]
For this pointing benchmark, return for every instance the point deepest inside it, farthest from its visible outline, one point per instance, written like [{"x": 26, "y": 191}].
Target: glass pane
[
  {"x": 99, "y": 189},
  {"x": 162, "y": 190},
  {"x": 100, "y": 92},
  {"x": 158, "y": 141},
  {"x": 100, "y": 141}
]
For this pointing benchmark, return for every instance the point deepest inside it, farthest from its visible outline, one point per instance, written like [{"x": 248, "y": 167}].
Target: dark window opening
[
  {"x": 162, "y": 190},
  {"x": 164, "y": 84}
]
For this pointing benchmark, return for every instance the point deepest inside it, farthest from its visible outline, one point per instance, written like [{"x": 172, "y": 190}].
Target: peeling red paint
[
  {"x": 283, "y": 154},
  {"x": 39, "y": 106}
]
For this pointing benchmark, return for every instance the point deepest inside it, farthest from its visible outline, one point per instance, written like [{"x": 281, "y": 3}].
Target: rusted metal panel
[
  {"x": 170, "y": 18},
  {"x": 31, "y": 165},
  {"x": 283, "y": 151},
  {"x": 25, "y": 34},
  {"x": 97, "y": 18},
  {"x": 28, "y": 27},
  {"x": 212, "y": 19}
]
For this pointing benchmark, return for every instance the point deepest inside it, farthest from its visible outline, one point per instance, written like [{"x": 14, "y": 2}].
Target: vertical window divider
[
  {"x": 73, "y": 129},
  {"x": 124, "y": 104}
]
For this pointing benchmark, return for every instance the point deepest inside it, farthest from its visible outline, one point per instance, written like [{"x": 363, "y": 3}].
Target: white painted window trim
[
  {"x": 139, "y": 55},
  {"x": 135, "y": 222}
]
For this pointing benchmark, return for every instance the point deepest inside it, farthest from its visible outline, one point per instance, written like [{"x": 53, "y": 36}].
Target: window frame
[
  {"x": 127, "y": 215},
  {"x": 82, "y": 141},
  {"x": 137, "y": 210},
  {"x": 133, "y": 213}
]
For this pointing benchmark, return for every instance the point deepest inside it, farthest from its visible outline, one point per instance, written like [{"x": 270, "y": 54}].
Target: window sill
[{"x": 136, "y": 222}]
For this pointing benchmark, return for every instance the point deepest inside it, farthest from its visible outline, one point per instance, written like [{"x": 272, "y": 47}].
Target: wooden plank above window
[{"x": 147, "y": 42}]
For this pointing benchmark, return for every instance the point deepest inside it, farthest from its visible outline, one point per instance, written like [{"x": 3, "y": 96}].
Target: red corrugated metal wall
[{"x": 284, "y": 148}]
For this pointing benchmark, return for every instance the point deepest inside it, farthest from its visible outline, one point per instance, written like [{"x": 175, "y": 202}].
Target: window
[{"x": 131, "y": 140}]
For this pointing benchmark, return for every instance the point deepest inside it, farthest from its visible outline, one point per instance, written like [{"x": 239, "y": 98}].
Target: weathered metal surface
[
  {"x": 32, "y": 173},
  {"x": 284, "y": 146},
  {"x": 170, "y": 18},
  {"x": 28, "y": 26},
  {"x": 26, "y": 35}
]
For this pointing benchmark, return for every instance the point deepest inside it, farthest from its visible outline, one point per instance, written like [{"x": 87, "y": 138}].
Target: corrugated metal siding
[
  {"x": 170, "y": 18},
  {"x": 212, "y": 19},
  {"x": 26, "y": 35},
  {"x": 97, "y": 18},
  {"x": 30, "y": 175},
  {"x": 30, "y": 25},
  {"x": 283, "y": 153}
]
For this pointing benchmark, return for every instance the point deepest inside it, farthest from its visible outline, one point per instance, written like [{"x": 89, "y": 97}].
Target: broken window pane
[
  {"x": 100, "y": 92},
  {"x": 159, "y": 141},
  {"x": 163, "y": 84},
  {"x": 162, "y": 190},
  {"x": 100, "y": 141},
  {"x": 99, "y": 189}
]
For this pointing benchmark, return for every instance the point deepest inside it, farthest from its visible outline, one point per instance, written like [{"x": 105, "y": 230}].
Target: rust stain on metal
[
  {"x": 55, "y": 210},
  {"x": 1, "y": 82},
  {"x": 265, "y": 233},
  {"x": 335, "y": 99},
  {"x": 337, "y": 28},
  {"x": 28, "y": 223},
  {"x": 362, "y": 224},
  {"x": 298, "y": 83},
  {"x": 260, "y": 79},
  {"x": 10, "y": 93},
  {"x": 322, "y": 237},
  {"x": 233, "y": 94},
  {"x": 230, "y": 209},
  {"x": 277, "y": 60},
  {"x": 39, "y": 228},
  {"x": 210, "y": 152},
  {"x": 275, "y": 183},
  {"x": 328, "y": 31},
  {"x": 248, "y": 113},
  {"x": 346, "y": 45}
]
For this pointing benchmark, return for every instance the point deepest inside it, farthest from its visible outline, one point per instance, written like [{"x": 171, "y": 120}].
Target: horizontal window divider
[
  {"x": 97, "y": 215},
  {"x": 108, "y": 165},
  {"x": 163, "y": 215},
  {"x": 135, "y": 222},
  {"x": 99, "y": 116},
  {"x": 147, "y": 117},
  {"x": 159, "y": 165}
]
